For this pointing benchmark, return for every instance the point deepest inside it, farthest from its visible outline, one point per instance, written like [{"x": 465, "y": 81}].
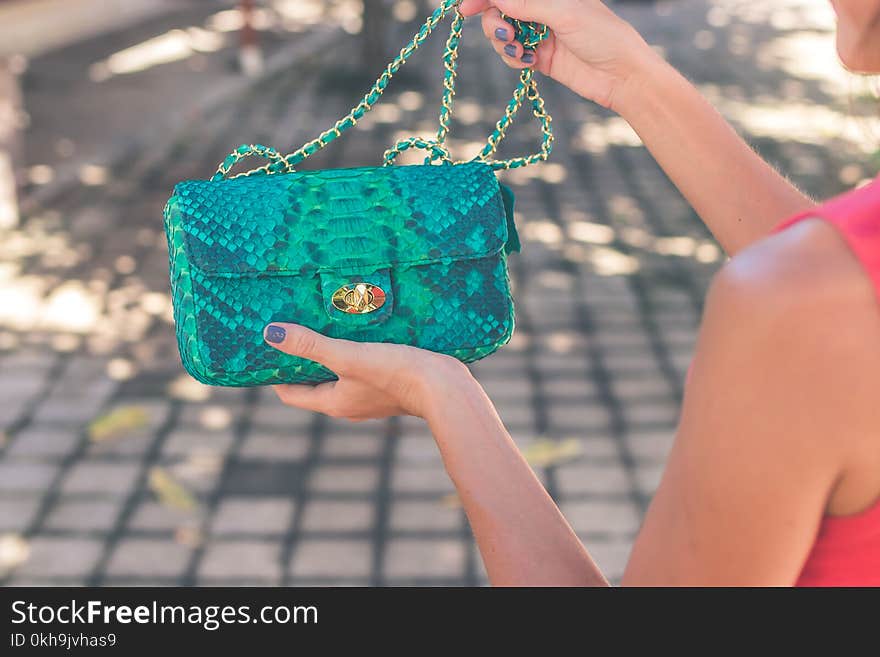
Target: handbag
[{"x": 413, "y": 255}]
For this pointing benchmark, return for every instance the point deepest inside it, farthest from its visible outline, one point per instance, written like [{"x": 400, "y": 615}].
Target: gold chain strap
[{"x": 529, "y": 34}]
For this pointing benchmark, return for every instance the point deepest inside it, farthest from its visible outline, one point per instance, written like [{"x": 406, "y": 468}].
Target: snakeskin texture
[{"x": 249, "y": 251}]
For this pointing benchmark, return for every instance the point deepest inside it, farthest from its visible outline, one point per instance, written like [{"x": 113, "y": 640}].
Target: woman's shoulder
[
  {"x": 804, "y": 271},
  {"x": 804, "y": 295}
]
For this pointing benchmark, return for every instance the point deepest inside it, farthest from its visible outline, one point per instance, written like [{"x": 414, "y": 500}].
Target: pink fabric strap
[{"x": 857, "y": 216}]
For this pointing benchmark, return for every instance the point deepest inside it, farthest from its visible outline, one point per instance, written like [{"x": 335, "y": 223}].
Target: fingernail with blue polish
[
  {"x": 501, "y": 34},
  {"x": 275, "y": 334},
  {"x": 527, "y": 58},
  {"x": 510, "y": 50}
]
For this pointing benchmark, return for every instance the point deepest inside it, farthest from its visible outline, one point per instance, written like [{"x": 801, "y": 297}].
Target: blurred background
[{"x": 117, "y": 468}]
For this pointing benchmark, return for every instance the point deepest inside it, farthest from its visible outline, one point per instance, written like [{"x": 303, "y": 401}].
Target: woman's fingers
[
  {"x": 310, "y": 398},
  {"x": 296, "y": 340},
  {"x": 514, "y": 55},
  {"x": 500, "y": 34},
  {"x": 495, "y": 27},
  {"x": 471, "y": 7},
  {"x": 511, "y": 52}
]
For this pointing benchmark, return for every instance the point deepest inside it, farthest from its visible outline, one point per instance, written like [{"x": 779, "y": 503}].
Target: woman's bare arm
[
  {"x": 521, "y": 533},
  {"x": 738, "y": 195},
  {"x": 765, "y": 437},
  {"x": 780, "y": 409},
  {"x": 522, "y": 536},
  {"x": 601, "y": 57}
]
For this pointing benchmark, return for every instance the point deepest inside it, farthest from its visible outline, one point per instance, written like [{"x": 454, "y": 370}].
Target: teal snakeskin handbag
[{"x": 412, "y": 255}]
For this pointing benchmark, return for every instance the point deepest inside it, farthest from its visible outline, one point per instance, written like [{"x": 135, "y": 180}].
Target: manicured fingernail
[
  {"x": 510, "y": 50},
  {"x": 275, "y": 334},
  {"x": 527, "y": 58},
  {"x": 501, "y": 34}
]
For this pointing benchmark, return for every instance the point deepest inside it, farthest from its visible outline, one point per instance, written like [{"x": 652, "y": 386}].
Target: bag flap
[{"x": 342, "y": 220}]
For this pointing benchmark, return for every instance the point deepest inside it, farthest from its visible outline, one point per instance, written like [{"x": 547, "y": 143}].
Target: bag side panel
[{"x": 182, "y": 298}]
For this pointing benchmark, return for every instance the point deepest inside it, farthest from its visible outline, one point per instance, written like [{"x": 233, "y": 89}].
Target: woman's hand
[
  {"x": 375, "y": 380},
  {"x": 590, "y": 50}
]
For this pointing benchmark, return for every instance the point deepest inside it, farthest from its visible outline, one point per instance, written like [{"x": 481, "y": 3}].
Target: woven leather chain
[{"x": 527, "y": 33}]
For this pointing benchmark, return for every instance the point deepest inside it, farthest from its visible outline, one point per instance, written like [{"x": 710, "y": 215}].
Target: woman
[{"x": 774, "y": 478}]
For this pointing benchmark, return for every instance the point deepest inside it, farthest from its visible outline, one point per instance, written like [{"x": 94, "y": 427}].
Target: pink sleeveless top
[{"x": 847, "y": 548}]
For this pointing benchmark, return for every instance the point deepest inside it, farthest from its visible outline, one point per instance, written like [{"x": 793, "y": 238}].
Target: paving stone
[
  {"x": 584, "y": 477},
  {"x": 20, "y": 477},
  {"x": 574, "y": 416},
  {"x": 682, "y": 362},
  {"x": 611, "y": 557},
  {"x": 685, "y": 336},
  {"x": 599, "y": 447},
  {"x": 335, "y": 582},
  {"x": 421, "y": 479},
  {"x": 557, "y": 364},
  {"x": 227, "y": 558},
  {"x": 61, "y": 557},
  {"x": 650, "y": 446},
  {"x": 151, "y": 515},
  {"x": 10, "y": 414},
  {"x": 652, "y": 414},
  {"x": 605, "y": 517},
  {"x": 648, "y": 477},
  {"x": 97, "y": 477},
  {"x": 640, "y": 388},
  {"x": 415, "y": 516},
  {"x": 421, "y": 559},
  {"x": 16, "y": 513},
  {"x": 244, "y": 515},
  {"x": 338, "y": 516},
  {"x": 265, "y": 478},
  {"x": 210, "y": 416},
  {"x": 508, "y": 391},
  {"x": 26, "y": 361},
  {"x": 353, "y": 446},
  {"x": 344, "y": 479},
  {"x": 417, "y": 449},
  {"x": 40, "y": 441},
  {"x": 290, "y": 447},
  {"x": 629, "y": 361},
  {"x": 336, "y": 559},
  {"x": 185, "y": 441},
  {"x": 414, "y": 427},
  {"x": 76, "y": 515},
  {"x": 147, "y": 558},
  {"x": 517, "y": 413},
  {"x": 482, "y": 576},
  {"x": 136, "y": 440},
  {"x": 565, "y": 389},
  {"x": 19, "y": 387},
  {"x": 272, "y": 413},
  {"x": 73, "y": 411}
]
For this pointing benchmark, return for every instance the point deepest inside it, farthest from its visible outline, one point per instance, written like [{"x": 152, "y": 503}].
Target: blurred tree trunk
[
  {"x": 376, "y": 19},
  {"x": 10, "y": 108},
  {"x": 250, "y": 57}
]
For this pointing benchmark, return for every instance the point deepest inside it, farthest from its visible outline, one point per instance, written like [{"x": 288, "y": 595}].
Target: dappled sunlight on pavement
[{"x": 116, "y": 467}]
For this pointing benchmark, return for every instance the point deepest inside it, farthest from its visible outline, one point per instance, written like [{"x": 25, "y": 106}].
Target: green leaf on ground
[
  {"x": 544, "y": 453},
  {"x": 117, "y": 423},
  {"x": 169, "y": 491}
]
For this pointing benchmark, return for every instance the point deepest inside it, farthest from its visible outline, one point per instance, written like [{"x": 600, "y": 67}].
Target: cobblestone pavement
[{"x": 116, "y": 468}]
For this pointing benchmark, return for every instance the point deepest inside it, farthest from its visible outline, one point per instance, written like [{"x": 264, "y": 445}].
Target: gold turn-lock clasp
[{"x": 359, "y": 298}]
